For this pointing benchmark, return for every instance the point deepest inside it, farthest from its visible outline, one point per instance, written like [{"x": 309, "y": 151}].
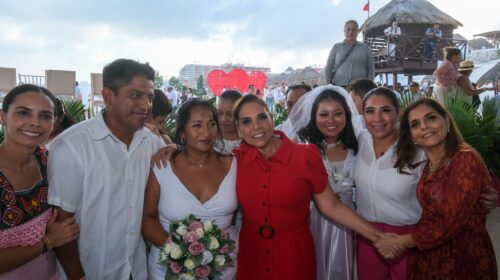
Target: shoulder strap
[{"x": 348, "y": 53}]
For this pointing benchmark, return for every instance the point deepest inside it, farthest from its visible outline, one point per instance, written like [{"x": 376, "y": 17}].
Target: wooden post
[{"x": 394, "y": 79}]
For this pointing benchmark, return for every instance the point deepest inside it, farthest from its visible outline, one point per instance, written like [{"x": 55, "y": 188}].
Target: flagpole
[{"x": 368, "y": 9}]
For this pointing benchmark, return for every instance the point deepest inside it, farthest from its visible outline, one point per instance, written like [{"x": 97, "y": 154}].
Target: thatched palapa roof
[
  {"x": 492, "y": 75},
  {"x": 409, "y": 12}
]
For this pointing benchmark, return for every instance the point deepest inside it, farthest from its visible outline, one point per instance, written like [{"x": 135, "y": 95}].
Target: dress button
[
  {"x": 268, "y": 269},
  {"x": 264, "y": 186},
  {"x": 268, "y": 251},
  {"x": 266, "y": 220},
  {"x": 264, "y": 204}
]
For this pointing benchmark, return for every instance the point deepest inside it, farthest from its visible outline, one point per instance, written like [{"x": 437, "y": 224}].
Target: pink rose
[
  {"x": 224, "y": 235},
  {"x": 224, "y": 249},
  {"x": 191, "y": 237},
  {"x": 196, "y": 248},
  {"x": 203, "y": 271},
  {"x": 194, "y": 225},
  {"x": 175, "y": 267}
]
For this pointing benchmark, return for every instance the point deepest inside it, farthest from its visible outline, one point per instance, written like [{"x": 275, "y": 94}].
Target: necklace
[
  {"x": 332, "y": 145},
  {"x": 434, "y": 166},
  {"x": 197, "y": 164}
]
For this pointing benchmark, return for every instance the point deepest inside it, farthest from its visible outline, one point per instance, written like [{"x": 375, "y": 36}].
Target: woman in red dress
[
  {"x": 451, "y": 239},
  {"x": 275, "y": 181}
]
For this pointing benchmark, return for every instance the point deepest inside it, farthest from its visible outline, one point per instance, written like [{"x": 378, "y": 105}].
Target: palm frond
[
  {"x": 170, "y": 126},
  {"x": 405, "y": 100},
  {"x": 75, "y": 108},
  {"x": 480, "y": 130}
]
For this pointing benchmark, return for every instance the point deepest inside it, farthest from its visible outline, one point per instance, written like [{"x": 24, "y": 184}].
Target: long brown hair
[{"x": 406, "y": 149}]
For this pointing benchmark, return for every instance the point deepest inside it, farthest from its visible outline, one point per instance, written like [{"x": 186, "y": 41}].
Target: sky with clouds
[{"x": 85, "y": 35}]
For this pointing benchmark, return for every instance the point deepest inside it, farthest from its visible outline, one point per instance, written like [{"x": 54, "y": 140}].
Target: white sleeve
[
  {"x": 65, "y": 175},
  {"x": 387, "y": 30}
]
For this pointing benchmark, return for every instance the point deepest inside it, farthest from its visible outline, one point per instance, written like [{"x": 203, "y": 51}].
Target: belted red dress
[{"x": 275, "y": 240}]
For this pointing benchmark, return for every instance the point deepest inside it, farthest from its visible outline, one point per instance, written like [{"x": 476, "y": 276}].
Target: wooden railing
[{"x": 411, "y": 48}]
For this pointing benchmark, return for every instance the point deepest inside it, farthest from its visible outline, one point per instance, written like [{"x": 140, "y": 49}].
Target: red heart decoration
[
  {"x": 258, "y": 78},
  {"x": 216, "y": 81},
  {"x": 237, "y": 78}
]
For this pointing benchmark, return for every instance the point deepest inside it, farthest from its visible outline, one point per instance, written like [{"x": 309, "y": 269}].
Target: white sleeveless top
[{"x": 177, "y": 202}]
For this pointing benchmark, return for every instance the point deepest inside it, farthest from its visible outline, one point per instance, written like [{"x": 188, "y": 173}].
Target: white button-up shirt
[
  {"x": 382, "y": 194},
  {"x": 94, "y": 175}
]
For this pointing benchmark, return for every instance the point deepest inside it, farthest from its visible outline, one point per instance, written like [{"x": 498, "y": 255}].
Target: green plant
[
  {"x": 75, "y": 108},
  {"x": 480, "y": 130},
  {"x": 2, "y": 134},
  {"x": 405, "y": 100},
  {"x": 170, "y": 126},
  {"x": 280, "y": 114}
]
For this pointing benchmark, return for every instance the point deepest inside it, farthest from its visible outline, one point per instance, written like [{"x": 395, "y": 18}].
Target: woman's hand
[
  {"x": 163, "y": 155},
  {"x": 488, "y": 198},
  {"x": 392, "y": 245},
  {"x": 388, "y": 246},
  {"x": 60, "y": 233}
]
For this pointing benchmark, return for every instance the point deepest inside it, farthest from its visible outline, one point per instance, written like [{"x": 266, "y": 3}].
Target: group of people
[
  {"x": 100, "y": 206},
  {"x": 95, "y": 200},
  {"x": 449, "y": 77}
]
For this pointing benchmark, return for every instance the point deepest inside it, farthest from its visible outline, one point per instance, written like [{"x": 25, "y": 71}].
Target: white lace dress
[
  {"x": 333, "y": 242},
  {"x": 176, "y": 202}
]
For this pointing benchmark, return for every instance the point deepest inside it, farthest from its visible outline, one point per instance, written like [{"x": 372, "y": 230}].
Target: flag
[{"x": 367, "y": 7}]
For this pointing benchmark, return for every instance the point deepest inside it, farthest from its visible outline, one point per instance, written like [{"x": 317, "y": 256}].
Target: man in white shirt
[
  {"x": 98, "y": 171},
  {"x": 172, "y": 96},
  {"x": 392, "y": 32},
  {"x": 294, "y": 93}
]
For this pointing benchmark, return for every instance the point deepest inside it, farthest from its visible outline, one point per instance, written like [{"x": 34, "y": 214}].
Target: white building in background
[{"x": 189, "y": 73}]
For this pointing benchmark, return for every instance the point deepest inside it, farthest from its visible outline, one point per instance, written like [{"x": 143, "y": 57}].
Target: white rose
[
  {"x": 207, "y": 226},
  {"x": 163, "y": 256},
  {"x": 220, "y": 260},
  {"x": 167, "y": 248},
  {"x": 176, "y": 252},
  {"x": 214, "y": 243},
  {"x": 207, "y": 258},
  {"x": 189, "y": 264},
  {"x": 182, "y": 230},
  {"x": 200, "y": 232},
  {"x": 186, "y": 276}
]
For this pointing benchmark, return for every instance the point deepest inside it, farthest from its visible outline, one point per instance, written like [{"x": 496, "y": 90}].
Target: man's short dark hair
[
  {"x": 161, "y": 105},
  {"x": 305, "y": 87},
  {"x": 232, "y": 95},
  {"x": 121, "y": 72},
  {"x": 361, "y": 86},
  {"x": 414, "y": 84}
]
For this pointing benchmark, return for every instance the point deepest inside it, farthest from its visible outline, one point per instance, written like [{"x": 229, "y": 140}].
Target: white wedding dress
[{"x": 176, "y": 202}]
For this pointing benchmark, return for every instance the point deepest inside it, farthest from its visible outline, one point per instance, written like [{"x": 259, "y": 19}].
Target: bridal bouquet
[{"x": 196, "y": 250}]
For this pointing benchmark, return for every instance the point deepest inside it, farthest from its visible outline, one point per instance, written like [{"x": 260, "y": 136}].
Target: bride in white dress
[
  {"x": 323, "y": 117},
  {"x": 196, "y": 181}
]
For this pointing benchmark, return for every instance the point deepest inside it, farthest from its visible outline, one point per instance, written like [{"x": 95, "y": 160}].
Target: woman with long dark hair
[
  {"x": 331, "y": 130},
  {"x": 197, "y": 181}
]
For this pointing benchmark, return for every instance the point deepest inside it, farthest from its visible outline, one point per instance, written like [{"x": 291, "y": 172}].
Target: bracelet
[{"x": 47, "y": 243}]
